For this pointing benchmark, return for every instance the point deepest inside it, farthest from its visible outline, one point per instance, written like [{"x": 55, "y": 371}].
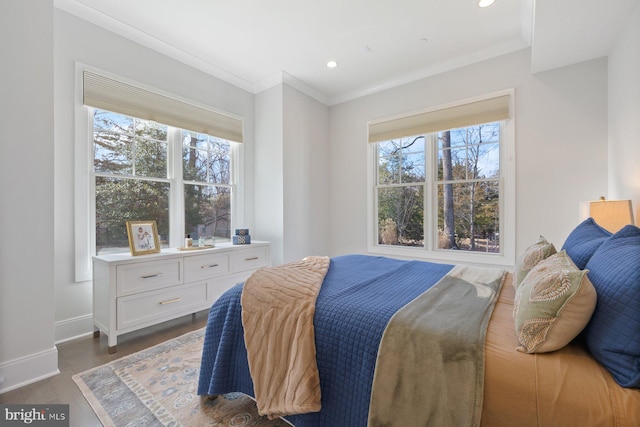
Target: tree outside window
[
  {"x": 132, "y": 180},
  {"x": 207, "y": 190},
  {"x": 468, "y": 188},
  {"x": 401, "y": 177},
  {"x": 462, "y": 166},
  {"x": 130, "y": 167}
]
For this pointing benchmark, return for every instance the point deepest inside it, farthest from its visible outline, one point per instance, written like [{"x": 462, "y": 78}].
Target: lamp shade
[{"x": 611, "y": 215}]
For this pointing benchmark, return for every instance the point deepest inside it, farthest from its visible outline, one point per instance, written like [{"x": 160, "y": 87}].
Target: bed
[{"x": 580, "y": 368}]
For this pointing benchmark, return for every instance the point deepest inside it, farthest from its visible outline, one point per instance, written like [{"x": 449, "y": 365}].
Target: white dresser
[{"x": 131, "y": 293}]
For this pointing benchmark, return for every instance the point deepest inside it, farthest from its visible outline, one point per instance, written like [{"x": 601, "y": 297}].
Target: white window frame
[
  {"x": 234, "y": 151},
  {"x": 84, "y": 183},
  {"x": 429, "y": 251}
]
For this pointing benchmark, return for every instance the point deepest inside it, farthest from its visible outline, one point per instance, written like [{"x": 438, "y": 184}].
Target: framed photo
[{"x": 143, "y": 237}]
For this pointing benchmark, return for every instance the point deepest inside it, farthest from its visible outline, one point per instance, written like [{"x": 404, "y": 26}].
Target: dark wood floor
[{"x": 85, "y": 353}]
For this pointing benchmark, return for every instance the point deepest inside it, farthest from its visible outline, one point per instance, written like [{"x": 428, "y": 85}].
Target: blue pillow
[
  {"x": 583, "y": 241},
  {"x": 613, "y": 333}
]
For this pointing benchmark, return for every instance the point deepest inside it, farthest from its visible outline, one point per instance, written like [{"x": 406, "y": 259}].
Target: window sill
[{"x": 444, "y": 256}]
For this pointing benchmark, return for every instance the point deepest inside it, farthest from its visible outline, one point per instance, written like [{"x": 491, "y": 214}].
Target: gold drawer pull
[
  {"x": 171, "y": 301},
  {"x": 251, "y": 259},
  {"x": 150, "y": 276},
  {"x": 209, "y": 266}
]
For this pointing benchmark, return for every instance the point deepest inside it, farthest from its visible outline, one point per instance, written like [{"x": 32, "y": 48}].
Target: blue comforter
[{"x": 358, "y": 297}]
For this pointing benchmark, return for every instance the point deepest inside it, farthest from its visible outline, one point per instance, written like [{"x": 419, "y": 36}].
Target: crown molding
[{"x": 122, "y": 29}]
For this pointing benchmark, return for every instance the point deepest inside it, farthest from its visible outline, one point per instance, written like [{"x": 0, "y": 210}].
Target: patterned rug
[{"x": 157, "y": 387}]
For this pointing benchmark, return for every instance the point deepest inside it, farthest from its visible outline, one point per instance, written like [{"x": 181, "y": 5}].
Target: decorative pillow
[
  {"x": 553, "y": 304},
  {"x": 613, "y": 334},
  {"x": 530, "y": 258},
  {"x": 584, "y": 240}
]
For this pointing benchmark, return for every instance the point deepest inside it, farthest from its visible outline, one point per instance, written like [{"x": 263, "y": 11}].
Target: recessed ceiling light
[
  {"x": 486, "y": 3},
  {"x": 332, "y": 64}
]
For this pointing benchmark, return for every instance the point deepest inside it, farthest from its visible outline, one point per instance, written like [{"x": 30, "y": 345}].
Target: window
[
  {"x": 400, "y": 191},
  {"x": 468, "y": 188},
  {"x": 446, "y": 193},
  {"x": 130, "y": 176},
  {"x": 141, "y": 153},
  {"x": 206, "y": 165},
  {"x": 133, "y": 180}
]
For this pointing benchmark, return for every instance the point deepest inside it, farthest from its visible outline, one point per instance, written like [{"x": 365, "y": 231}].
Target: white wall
[
  {"x": 27, "y": 349},
  {"x": 561, "y": 142},
  {"x": 624, "y": 115},
  {"x": 76, "y": 40},
  {"x": 269, "y": 172},
  {"x": 306, "y": 172},
  {"x": 292, "y": 153}
]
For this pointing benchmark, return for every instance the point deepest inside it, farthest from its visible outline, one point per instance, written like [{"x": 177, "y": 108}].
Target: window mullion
[
  {"x": 176, "y": 192},
  {"x": 430, "y": 221},
  {"x": 376, "y": 174},
  {"x": 137, "y": 178},
  {"x": 466, "y": 181},
  {"x": 134, "y": 148},
  {"x": 373, "y": 224},
  {"x": 237, "y": 195}
]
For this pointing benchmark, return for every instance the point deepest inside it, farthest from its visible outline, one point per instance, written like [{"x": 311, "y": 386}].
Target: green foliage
[
  {"x": 472, "y": 177},
  {"x": 206, "y": 160},
  {"x": 402, "y": 161},
  {"x": 121, "y": 200},
  {"x": 131, "y": 163},
  {"x": 403, "y": 206}
]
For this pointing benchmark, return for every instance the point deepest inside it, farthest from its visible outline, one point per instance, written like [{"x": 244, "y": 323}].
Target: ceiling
[{"x": 378, "y": 44}]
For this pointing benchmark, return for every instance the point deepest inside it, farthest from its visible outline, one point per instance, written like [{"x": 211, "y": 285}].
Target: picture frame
[{"x": 143, "y": 237}]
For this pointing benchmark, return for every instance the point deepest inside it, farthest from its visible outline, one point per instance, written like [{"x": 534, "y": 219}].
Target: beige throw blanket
[
  {"x": 278, "y": 305},
  {"x": 430, "y": 366}
]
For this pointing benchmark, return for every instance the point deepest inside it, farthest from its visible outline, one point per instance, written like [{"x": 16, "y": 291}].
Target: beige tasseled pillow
[
  {"x": 553, "y": 304},
  {"x": 531, "y": 256}
]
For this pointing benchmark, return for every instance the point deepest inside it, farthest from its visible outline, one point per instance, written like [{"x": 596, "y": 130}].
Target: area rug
[{"x": 157, "y": 387}]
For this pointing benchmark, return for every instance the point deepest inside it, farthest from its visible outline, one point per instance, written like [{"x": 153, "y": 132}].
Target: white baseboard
[
  {"x": 28, "y": 369},
  {"x": 70, "y": 329},
  {"x": 38, "y": 366}
]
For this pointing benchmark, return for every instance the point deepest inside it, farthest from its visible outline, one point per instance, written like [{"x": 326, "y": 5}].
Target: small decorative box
[
  {"x": 242, "y": 231},
  {"x": 242, "y": 240}
]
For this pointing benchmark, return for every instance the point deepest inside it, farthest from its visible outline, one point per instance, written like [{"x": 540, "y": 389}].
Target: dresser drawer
[
  {"x": 215, "y": 288},
  {"x": 249, "y": 259},
  {"x": 146, "y": 308},
  {"x": 202, "y": 267},
  {"x": 148, "y": 276}
]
